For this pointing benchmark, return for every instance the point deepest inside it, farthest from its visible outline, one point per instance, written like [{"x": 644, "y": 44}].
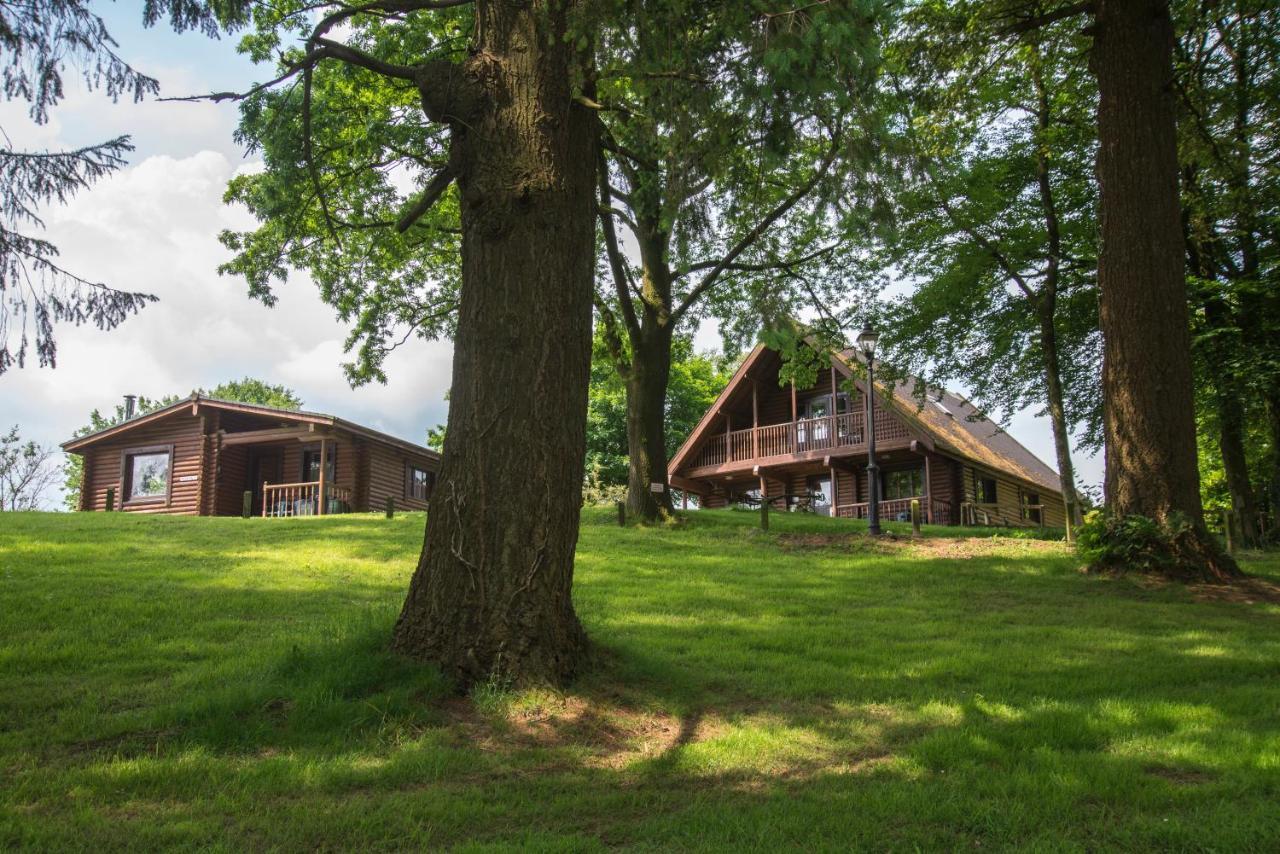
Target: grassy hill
[{"x": 224, "y": 683}]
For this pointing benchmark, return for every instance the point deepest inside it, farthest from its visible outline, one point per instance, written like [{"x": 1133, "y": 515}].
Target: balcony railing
[
  {"x": 302, "y": 499},
  {"x": 899, "y": 509},
  {"x": 797, "y": 437}
]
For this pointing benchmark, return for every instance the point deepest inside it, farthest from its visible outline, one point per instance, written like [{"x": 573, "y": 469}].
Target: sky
[{"x": 153, "y": 227}]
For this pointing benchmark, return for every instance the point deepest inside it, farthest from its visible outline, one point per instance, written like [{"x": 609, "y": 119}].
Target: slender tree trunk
[
  {"x": 1273, "y": 477},
  {"x": 1047, "y": 303},
  {"x": 492, "y": 592},
  {"x": 1058, "y": 410},
  {"x": 1151, "y": 466},
  {"x": 647, "y": 420},
  {"x": 1235, "y": 462}
]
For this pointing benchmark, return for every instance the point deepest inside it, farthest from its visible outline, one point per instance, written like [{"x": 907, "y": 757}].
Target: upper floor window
[
  {"x": 146, "y": 474},
  {"x": 417, "y": 483},
  {"x": 987, "y": 490}
]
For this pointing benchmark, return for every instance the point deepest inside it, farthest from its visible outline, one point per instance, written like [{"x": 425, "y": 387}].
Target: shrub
[{"x": 1135, "y": 543}]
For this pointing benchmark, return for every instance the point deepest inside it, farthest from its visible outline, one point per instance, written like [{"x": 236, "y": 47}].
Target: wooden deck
[{"x": 796, "y": 441}]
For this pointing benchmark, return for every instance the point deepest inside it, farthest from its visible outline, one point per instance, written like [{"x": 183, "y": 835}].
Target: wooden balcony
[
  {"x": 802, "y": 439},
  {"x": 302, "y": 499}
]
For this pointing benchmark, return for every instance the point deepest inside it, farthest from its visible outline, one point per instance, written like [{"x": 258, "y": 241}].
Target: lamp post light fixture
[{"x": 867, "y": 340}]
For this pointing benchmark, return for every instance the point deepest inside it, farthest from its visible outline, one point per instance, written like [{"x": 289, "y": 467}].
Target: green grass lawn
[{"x": 225, "y": 684}]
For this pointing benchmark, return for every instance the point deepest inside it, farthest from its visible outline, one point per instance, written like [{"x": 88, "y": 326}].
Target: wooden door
[{"x": 266, "y": 465}]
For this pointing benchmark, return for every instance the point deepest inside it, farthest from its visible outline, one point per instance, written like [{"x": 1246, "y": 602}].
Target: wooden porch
[{"x": 303, "y": 499}]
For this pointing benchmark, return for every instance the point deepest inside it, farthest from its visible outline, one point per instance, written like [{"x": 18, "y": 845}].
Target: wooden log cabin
[
  {"x": 808, "y": 447},
  {"x": 201, "y": 456}
]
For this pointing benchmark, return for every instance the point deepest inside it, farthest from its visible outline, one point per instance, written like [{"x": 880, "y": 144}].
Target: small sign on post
[
  {"x": 657, "y": 487},
  {"x": 246, "y": 504},
  {"x": 915, "y": 517}
]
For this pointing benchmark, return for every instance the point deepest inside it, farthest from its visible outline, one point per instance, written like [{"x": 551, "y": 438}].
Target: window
[
  {"x": 311, "y": 466},
  {"x": 417, "y": 483},
  {"x": 987, "y": 490},
  {"x": 1032, "y": 511},
  {"x": 903, "y": 483},
  {"x": 146, "y": 474}
]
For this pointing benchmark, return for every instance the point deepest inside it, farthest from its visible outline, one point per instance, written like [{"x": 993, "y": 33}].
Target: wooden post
[
  {"x": 391, "y": 507},
  {"x": 246, "y": 504},
  {"x": 111, "y": 498},
  {"x": 928, "y": 492},
  {"x": 324, "y": 464},
  {"x": 764, "y": 513},
  {"x": 915, "y": 517},
  {"x": 795, "y": 431},
  {"x": 755, "y": 423},
  {"x": 1229, "y": 529},
  {"x": 622, "y": 514},
  {"x": 264, "y": 499}
]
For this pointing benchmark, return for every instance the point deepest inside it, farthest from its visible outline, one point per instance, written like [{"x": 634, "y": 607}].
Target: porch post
[
  {"x": 795, "y": 429},
  {"x": 728, "y": 437},
  {"x": 928, "y": 493},
  {"x": 324, "y": 461},
  {"x": 755, "y": 422}
]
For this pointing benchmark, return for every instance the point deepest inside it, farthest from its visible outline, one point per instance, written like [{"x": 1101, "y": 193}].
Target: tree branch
[
  {"x": 429, "y": 196},
  {"x": 743, "y": 244}
]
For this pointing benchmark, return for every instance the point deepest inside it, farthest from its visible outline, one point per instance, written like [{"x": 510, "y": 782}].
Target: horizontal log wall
[
  {"x": 388, "y": 476},
  {"x": 104, "y": 466}
]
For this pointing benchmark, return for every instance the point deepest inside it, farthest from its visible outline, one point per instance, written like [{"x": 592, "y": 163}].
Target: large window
[
  {"x": 146, "y": 474},
  {"x": 417, "y": 483},
  {"x": 987, "y": 490},
  {"x": 311, "y": 466},
  {"x": 903, "y": 483}
]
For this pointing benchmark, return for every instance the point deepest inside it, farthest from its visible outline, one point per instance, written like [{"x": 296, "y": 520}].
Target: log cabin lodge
[
  {"x": 809, "y": 445},
  {"x": 207, "y": 457}
]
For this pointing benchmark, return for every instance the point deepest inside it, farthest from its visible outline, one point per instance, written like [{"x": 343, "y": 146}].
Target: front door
[
  {"x": 820, "y": 494},
  {"x": 266, "y": 465}
]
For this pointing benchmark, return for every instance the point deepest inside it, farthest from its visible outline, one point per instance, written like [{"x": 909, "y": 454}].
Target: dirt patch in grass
[
  {"x": 612, "y": 735},
  {"x": 1250, "y": 590},
  {"x": 1181, "y": 776},
  {"x": 954, "y": 548}
]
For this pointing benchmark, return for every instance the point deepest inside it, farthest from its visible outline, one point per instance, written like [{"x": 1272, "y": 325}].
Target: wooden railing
[
  {"x": 796, "y": 437},
  {"x": 301, "y": 499},
  {"x": 899, "y": 509}
]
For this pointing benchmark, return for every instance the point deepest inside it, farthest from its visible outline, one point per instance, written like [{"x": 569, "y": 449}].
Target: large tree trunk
[
  {"x": 492, "y": 592},
  {"x": 1151, "y": 467},
  {"x": 646, "y": 422}
]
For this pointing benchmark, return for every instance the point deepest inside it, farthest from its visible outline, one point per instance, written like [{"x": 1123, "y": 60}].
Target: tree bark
[
  {"x": 1149, "y": 424},
  {"x": 646, "y": 421},
  {"x": 1058, "y": 412},
  {"x": 491, "y": 596}
]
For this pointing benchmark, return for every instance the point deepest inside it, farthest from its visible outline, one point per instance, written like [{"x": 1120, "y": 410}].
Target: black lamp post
[{"x": 867, "y": 340}]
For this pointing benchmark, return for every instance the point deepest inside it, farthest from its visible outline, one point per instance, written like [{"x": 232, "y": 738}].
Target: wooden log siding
[
  {"x": 388, "y": 472},
  {"x": 104, "y": 464},
  {"x": 1009, "y": 494}
]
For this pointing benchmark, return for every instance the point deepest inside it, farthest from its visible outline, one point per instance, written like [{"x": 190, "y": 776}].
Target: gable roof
[
  {"x": 199, "y": 401},
  {"x": 960, "y": 428},
  {"x": 954, "y": 425}
]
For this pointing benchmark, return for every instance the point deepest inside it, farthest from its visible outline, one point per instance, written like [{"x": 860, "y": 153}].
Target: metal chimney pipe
[{"x": 128, "y": 405}]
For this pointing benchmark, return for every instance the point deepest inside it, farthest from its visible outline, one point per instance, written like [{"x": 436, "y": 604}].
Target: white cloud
[{"x": 153, "y": 227}]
